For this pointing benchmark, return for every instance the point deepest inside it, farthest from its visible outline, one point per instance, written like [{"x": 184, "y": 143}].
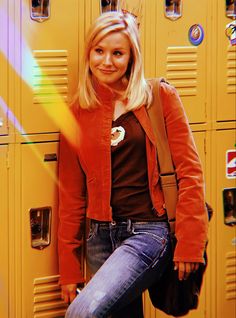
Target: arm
[
  {"x": 191, "y": 215},
  {"x": 72, "y": 205}
]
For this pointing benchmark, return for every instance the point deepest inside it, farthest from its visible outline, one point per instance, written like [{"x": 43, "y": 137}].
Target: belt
[{"x": 126, "y": 221}]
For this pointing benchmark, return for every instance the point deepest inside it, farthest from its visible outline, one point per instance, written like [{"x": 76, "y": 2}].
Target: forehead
[{"x": 114, "y": 39}]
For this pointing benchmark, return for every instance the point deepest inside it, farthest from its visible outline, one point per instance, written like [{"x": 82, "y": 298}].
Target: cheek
[
  {"x": 124, "y": 64},
  {"x": 94, "y": 59}
]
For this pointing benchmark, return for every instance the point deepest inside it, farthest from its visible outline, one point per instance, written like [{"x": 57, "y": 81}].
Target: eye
[
  {"x": 98, "y": 50},
  {"x": 117, "y": 53}
]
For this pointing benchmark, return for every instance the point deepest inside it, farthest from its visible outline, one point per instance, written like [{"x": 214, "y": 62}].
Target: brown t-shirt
[{"x": 130, "y": 192}]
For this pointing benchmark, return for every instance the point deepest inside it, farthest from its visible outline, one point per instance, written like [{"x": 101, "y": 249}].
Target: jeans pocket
[
  {"x": 154, "y": 230},
  {"x": 152, "y": 241}
]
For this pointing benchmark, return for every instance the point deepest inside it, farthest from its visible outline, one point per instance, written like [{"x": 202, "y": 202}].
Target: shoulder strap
[{"x": 167, "y": 171}]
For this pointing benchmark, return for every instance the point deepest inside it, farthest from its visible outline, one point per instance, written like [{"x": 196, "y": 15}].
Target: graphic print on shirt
[{"x": 117, "y": 135}]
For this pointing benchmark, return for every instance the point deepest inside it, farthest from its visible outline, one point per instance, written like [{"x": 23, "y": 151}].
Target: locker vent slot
[
  {"x": 50, "y": 76},
  {"x": 181, "y": 69},
  {"x": 47, "y": 298},
  {"x": 231, "y": 70},
  {"x": 230, "y": 275}
]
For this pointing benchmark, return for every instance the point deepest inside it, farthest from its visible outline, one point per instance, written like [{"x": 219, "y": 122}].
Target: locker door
[
  {"x": 4, "y": 231},
  {"x": 40, "y": 290},
  {"x": 3, "y": 68},
  {"x": 226, "y": 68},
  {"x": 225, "y": 234},
  {"x": 169, "y": 53},
  {"x": 200, "y": 139},
  {"x": 49, "y": 63}
]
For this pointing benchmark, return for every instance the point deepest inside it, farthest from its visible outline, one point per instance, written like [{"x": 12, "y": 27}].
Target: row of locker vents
[
  {"x": 182, "y": 69},
  {"x": 50, "y": 73},
  {"x": 231, "y": 69},
  {"x": 230, "y": 274},
  {"x": 47, "y": 298},
  {"x": 50, "y": 76}
]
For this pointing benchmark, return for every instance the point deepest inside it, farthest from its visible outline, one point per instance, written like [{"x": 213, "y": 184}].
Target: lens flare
[{"x": 59, "y": 113}]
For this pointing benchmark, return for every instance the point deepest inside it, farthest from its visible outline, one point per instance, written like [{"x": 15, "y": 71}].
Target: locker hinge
[
  {"x": 7, "y": 160},
  {"x": 205, "y": 148}
]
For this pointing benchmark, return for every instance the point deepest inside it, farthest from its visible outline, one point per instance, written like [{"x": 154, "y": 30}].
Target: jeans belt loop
[
  {"x": 129, "y": 226},
  {"x": 95, "y": 227}
]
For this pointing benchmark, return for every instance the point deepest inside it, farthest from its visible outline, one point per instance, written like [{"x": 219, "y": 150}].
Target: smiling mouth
[{"x": 106, "y": 71}]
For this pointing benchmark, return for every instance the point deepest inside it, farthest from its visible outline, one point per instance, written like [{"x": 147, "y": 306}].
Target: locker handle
[
  {"x": 229, "y": 206},
  {"x": 230, "y": 9},
  {"x": 108, "y": 5},
  {"x": 40, "y": 227},
  {"x": 50, "y": 157},
  {"x": 173, "y": 9},
  {"x": 39, "y": 10}
]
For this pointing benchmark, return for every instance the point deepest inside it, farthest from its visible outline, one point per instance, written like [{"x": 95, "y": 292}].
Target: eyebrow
[{"x": 116, "y": 48}]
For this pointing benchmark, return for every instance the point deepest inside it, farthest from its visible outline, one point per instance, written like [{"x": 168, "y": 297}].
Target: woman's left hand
[{"x": 185, "y": 268}]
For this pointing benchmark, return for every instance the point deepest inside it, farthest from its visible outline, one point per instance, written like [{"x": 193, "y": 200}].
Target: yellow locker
[
  {"x": 3, "y": 68},
  {"x": 200, "y": 140},
  {"x": 49, "y": 62},
  {"x": 226, "y": 69},
  {"x": 225, "y": 275},
  {"x": 168, "y": 52},
  {"x": 4, "y": 232},
  {"x": 38, "y": 192}
]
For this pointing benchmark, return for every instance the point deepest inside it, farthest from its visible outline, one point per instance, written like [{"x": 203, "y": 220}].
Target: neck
[{"x": 119, "y": 109}]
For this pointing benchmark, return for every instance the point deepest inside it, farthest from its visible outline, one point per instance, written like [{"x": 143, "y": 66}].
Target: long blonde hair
[{"x": 138, "y": 91}]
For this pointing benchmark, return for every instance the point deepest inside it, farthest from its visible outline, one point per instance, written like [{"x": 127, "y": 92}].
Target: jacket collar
[
  {"x": 107, "y": 96},
  {"x": 142, "y": 116},
  {"x": 104, "y": 93}
]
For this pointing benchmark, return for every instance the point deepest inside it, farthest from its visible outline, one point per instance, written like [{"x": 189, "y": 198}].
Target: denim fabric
[{"x": 126, "y": 258}]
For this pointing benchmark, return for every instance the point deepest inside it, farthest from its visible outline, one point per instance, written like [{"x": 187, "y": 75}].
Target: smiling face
[{"x": 109, "y": 59}]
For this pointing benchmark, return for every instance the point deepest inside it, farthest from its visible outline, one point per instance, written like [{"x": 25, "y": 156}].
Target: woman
[{"x": 111, "y": 177}]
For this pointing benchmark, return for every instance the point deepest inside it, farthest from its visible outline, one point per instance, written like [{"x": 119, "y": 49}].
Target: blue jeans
[{"x": 126, "y": 257}]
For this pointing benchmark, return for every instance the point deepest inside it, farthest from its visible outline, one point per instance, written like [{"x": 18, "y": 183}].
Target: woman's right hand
[{"x": 68, "y": 292}]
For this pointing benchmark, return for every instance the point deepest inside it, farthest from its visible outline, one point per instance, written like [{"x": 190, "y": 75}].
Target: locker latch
[
  {"x": 39, "y": 10},
  {"x": 229, "y": 204},
  {"x": 230, "y": 8},
  {"x": 109, "y": 5},
  {"x": 40, "y": 225},
  {"x": 173, "y": 9}
]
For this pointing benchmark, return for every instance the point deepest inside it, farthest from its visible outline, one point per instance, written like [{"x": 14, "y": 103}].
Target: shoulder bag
[{"x": 169, "y": 294}]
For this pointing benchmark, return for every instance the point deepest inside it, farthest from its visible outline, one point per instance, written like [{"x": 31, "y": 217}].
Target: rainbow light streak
[{"x": 60, "y": 113}]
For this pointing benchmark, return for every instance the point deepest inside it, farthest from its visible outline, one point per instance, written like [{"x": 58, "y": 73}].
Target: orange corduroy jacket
[{"x": 85, "y": 180}]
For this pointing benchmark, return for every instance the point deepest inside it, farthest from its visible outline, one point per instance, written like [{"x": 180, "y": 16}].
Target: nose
[{"x": 107, "y": 59}]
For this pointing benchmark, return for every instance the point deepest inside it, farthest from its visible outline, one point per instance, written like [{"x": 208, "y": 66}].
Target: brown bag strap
[{"x": 167, "y": 171}]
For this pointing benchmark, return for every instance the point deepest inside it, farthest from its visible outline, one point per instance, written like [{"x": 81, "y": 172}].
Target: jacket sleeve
[
  {"x": 72, "y": 205},
  {"x": 191, "y": 214}
]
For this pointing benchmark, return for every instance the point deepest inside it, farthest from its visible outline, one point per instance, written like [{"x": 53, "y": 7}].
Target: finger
[
  {"x": 181, "y": 271},
  {"x": 72, "y": 296},
  {"x": 65, "y": 298},
  {"x": 187, "y": 270},
  {"x": 176, "y": 267},
  {"x": 196, "y": 266}
]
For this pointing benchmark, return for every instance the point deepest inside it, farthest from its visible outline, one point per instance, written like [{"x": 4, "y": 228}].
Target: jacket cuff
[{"x": 188, "y": 252}]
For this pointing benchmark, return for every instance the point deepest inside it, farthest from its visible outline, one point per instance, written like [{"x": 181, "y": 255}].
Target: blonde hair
[{"x": 138, "y": 91}]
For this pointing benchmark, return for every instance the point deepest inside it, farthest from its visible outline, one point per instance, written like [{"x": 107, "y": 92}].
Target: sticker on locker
[{"x": 231, "y": 164}]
